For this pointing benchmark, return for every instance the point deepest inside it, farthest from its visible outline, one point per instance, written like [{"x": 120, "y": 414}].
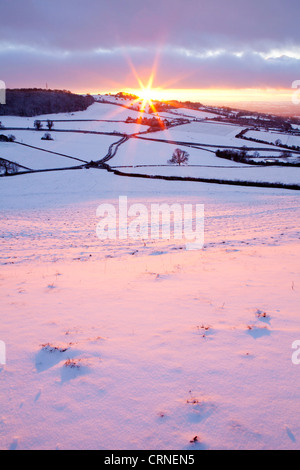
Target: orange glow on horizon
[
  {"x": 207, "y": 95},
  {"x": 216, "y": 95}
]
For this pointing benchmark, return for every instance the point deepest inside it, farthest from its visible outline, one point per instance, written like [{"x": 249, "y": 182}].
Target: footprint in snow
[
  {"x": 290, "y": 434},
  {"x": 74, "y": 368},
  {"x": 50, "y": 355},
  {"x": 196, "y": 445},
  {"x": 262, "y": 316},
  {"x": 14, "y": 444},
  {"x": 157, "y": 253},
  {"x": 258, "y": 331}
]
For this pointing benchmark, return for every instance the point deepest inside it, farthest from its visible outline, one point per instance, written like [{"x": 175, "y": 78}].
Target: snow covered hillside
[{"x": 142, "y": 344}]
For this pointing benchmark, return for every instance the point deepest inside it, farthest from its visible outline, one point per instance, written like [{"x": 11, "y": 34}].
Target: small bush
[
  {"x": 47, "y": 136},
  {"x": 9, "y": 138},
  {"x": 8, "y": 168}
]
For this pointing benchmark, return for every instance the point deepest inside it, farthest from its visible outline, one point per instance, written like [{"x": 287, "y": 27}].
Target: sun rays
[{"x": 145, "y": 92}]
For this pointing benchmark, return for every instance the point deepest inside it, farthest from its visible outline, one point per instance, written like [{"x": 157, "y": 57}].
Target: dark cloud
[
  {"x": 78, "y": 24},
  {"x": 99, "y": 71},
  {"x": 86, "y": 44}
]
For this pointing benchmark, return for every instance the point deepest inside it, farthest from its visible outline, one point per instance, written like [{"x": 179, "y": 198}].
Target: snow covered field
[
  {"x": 143, "y": 344},
  {"x": 95, "y": 111},
  {"x": 202, "y": 164},
  {"x": 205, "y": 133},
  {"x": 272, "y": 137},
  {"x": 84, "y": 147}
]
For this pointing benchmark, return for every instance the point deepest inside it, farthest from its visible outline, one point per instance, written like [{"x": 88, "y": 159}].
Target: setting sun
[{"x": 146, "y": 94}]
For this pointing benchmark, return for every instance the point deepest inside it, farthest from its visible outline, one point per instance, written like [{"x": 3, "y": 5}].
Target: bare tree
[
  {"x": 37, "y": 124},
  {"x": 50, "y": 124},
  {"x": 179, "y": 157}
]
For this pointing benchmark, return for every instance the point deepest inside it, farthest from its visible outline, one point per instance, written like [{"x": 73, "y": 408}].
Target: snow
[
  {"x": 286, "y": 139},
  {"x": 142, "y": 344},
  {"x": 269, "y": 174},
  {"x": 80, "y": 146},
  {"x": 151, "y": 155},
  {"x": 194, "y": 113},
  {"x": 205, "y": 133},
  {"x": 97, "y": 110}
]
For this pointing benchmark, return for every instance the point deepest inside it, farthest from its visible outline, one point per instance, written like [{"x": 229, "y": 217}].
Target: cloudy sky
[{"x": 91, "y": 46}]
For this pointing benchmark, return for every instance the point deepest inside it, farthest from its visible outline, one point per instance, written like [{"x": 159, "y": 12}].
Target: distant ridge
[{"x": 36, "y": 101}]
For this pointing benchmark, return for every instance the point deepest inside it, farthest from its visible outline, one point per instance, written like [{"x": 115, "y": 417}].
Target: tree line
[{"x": 35, "y": 101}]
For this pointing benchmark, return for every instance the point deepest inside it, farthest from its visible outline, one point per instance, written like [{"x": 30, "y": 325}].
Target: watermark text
[
  {"x": 2, "y": 92},
  {"x": 296, "y": 94},
  {"x": 164, "y": 221},
  {"x": 2, "y": 353},
  {"x": 296, "y": 354}
]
